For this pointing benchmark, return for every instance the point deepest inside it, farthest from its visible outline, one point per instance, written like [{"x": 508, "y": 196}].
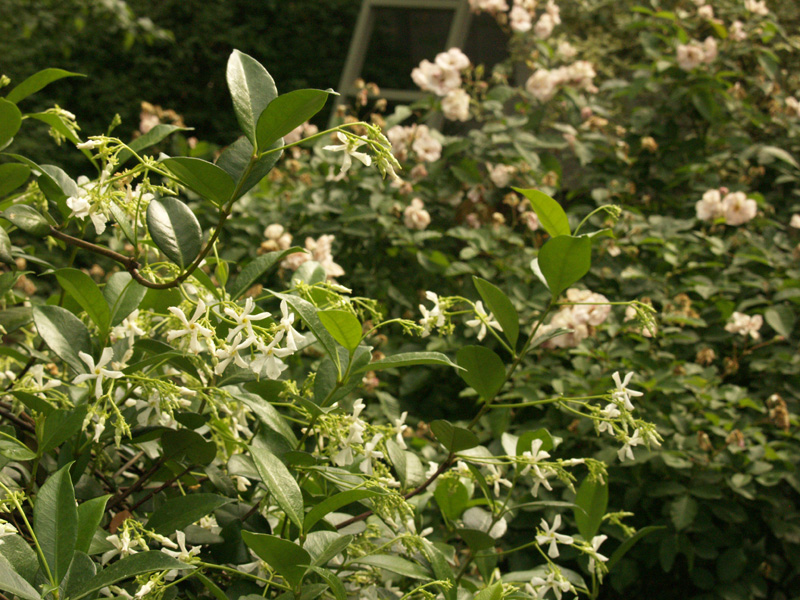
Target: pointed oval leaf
[
  {"x": 58, "y": 125},
  {"x": 343, "y": 326},
  {"x": 60, "y": 425},
  {"x": 87, "y": 294},
  {"x": 500, "y": 306},
  {"x": 280, "y": 483},
  {"x": 308, "y": 313},
  {"x": 252, "y": 89},
  {"x": 5, "y": 248},
  {"x": 452, "y": 497},
  {"x": 629, "y": 543},
  {"x": 178, "y": 513},
  {"x": 81, "y": 570},
  {"x": 38, "y": 81},
  {"x": 255, "y": 269},
  {"x": 11, "y": 581},
  {"x": 455, "y": 439},
  {"x": 484, "y": 371},
  {"x": 287, "y": 558},
  {"x": 407, "y": 359},
  {"x": 64, "y": 334},
  {"x": 526, "y": 439},
  {"x": 395, "y": 564},
  {"x": 235, "y": 160},
  {"x": 175, "y": 230},
  {"x": 287, "y": 112},
  {"x": 551, "y": 215},
  {"x": 10, "y": 121},
  {"x": 26, "y": 218},
  {"x": 592, "y": 499},
  {"x": 334, "y": 503},
  {"x": 12, "y": 175},
  {"x": 55, "y": 521},
  {"x": 151, "y": 138},
  {"x": 128, "y": 567},
  {"x": 203, "y": 177},
  {"x": 781, "y": 318},
  {"x": 90, "y": 515},
  {"x": 564, "y": 260},
  {"x": 123, "y": 295}
]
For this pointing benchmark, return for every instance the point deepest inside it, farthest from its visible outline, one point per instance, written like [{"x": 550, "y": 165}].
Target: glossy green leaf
[
  {"x": 212, "y": 587},
  {"x": 334, "y": 503},
  {"x": 129, "y": 567},
  {"x": 526, "y": 439},
  {"x": 123, "y": 294},
  {"x": 251, "y": 88},
  {"x": 64, "y": 334},
  {"x": 5, "y": 248},
  {"x": 287, "y": 558},
  {"x": 87, "y": 294},
  {"x": 13, "y": 449},
  {"x": 10, "y": 121},
  {"x": 12, "y": 175},
  {"x": 178, "y": 513},
  {"x": 500, "y": 306},
  {"x": 455, "y": 439},
  {"x": 151, "y": 138},
  {"x": 55, "y": 521},
  {"x": 38, "y": 81},
  {"x": 81, "y": 569},
  {"x": 288, "y": 111},
  {"x": 492, "y": 592},
  {"x": 452, "y": 497},
  {"x": 202, "y": 177},
  {"x": 26, "y": 218},
  {"x": 59, "y": 426},
  {"x": 592, "y": 498},
  {"x": 265, "y": 412},
  {"x": 782, "y": 319},
  {"x": 343, "y": 326},
  {"x": 280, "y": 483},
  {"x": 563, "y": 260},
  {"x": 484, "y": 371},
  {"x": 333, "y": 581},
  {"x": 12, "y": 582},
  {"x": 308, "y": 313},
  {"x": 683, "y": 511},
  {"x": 235, "y": 160},
  {"x": 550, "y": 214},
  {"x": 629, "y": 543},
  {"x": 394, "y": 564},
  {"x": 90, "y": 515},
  {"x": 175, "y": 230},
  {"x": 407, "y": 359},
  {"x": 323, "y": 546},
  {"x": 256, "y": 269},
  {"x": 20, "y": 556},
  {"x": 58, "y": 125},
  {"x": 185, "y": 444},
  {"x": 15, "y": 317}
]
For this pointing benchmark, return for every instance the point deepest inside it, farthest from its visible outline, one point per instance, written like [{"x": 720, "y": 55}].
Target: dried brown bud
[{"x": 704, "y": 442}]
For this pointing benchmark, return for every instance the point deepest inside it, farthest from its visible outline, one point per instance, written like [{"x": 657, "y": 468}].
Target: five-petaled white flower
[
  {"x": 348, "y": 146},
  {"x": 622, "y": 394},
  {"x": 482, "y": 319},
  {"x": 96, "y": 371},
  {"x": 626, "y": 450},
  {"x": 596, "y": 542},
  {"x": 432, "y": 318},
  {"x": 552, "y": 537},
  {"x": 269, "y": 361},
  {"x": 293, "y": 337},
  {"x": 183, "y": 554},
  {"x": 190, "y": 327},
  {"x": 244, "y": 321}
]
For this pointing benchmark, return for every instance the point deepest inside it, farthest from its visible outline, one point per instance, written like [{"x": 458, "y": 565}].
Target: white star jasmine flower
[
  {"x": 190, "y": 327},
  {"x": 244, "y": 320},
  {"x": 482, "y": 320},
  {"x": 609, "y": 412},
  {"x": 96, "y": 371},
  {"x": 596, "y": 542},
  {"x": 550, "y": 536},
  {"x": 348, "y": 146},
  {"x": 626, "y": 450},
  {"x": 371, "y": 454},
  {"x": 432, "y": 318},
  {"x": 293, "y": 337},
  {"x": 269, "y": 362},
  {"x": 230, "y": 352},
  {"x": 183, "y": 554},
  {"x": 622, "y": 394}
]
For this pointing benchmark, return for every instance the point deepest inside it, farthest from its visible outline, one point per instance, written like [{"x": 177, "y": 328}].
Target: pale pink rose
[
  {"x": 455, "y": 105},
  {"x": 738, "y": 208},
  {"x": 544, "y": 26},
  {"x": 500, "y": 174},
  {"x": 710, "y": 207},
  {"x": 566, "y": 50},
  {"x": 690, "y": 55},
  {"x": 795, "y": 221},
  {"x": 542, "y": 85},
  {"x": 736, "y": 32},
  {"x": 706, "y": 12},
  {"x": 415, "y": 216},
  {"x": 454, "y": 60},
  {"x": 433, "y": 78},
  {"x": 427, "y": 148},
  {"x": 519, "y": 19},
  {"x": 530, "y": 219},
  {"x": 709, "y": 50},
  {"x": 757, "y": 7}
]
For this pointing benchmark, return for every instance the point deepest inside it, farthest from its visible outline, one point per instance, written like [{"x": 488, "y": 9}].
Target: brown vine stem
[
  {"x": 115, "y": 501},
  {"x": 163, "y": 486}
]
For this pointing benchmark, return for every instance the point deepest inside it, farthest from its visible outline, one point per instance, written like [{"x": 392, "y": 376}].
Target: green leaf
[
  {"x": 334, "y": 503},
  {"x": 455, "y": 439},
  {"x": 25, "y": 217},
  {"x": 343, "y": 326},
  {"x": 287, "y": 558},
  {"x": 500, "y": 306},
  {"x": 5, "y": 248},
  {"x": 452, "y": 497},
  {"x": 151, "y": 138},
  {"x": 12, "y": 175},
  {"x": 212, "y": 587},
  {"x": 128, "y": 567},
  {"x": 782, "y": 319},
  {"x": 90, "y": 515},
  {"x": 64, "y": 334},
  {"x": 20, "y": 556},
  {"x": 11, "y": 581},
  {"x": 395, "y": 564},
  {"x": 87, "y": 294},
  {"x": 184, "y": 443},
  {"x": 266, "y": 413},
  {"x": 592, "y": 498},
  {"x": 59, "y": 426},
  {"x": 493, "y": 592},
  {"x": 325, "y": 545},
  {"x": 526, "y": 439},
  {"x": 628, "y": 544},
  {"x": 235, "y": 160},
  {"x": 280, "y": 483},
  {"x": 407, "y": 359},
  {"x": 202, "y": 177},
  {"x": 308, "y": 313},
  {"x": 255, "y": 269},
  {"x": 38, "y": 81},
  {"x": 81, "y": 569},
  {"x": 123, "y": 294},
  {"x": 175, "y": 230},
  {"x": 13, "y": 449},
  {"x": 55, "y": 521},
  {"x": 10, "y": 121},
  {"x": 683, "y": 511},
  {"x": 251, "y": 88},
  {"x": 287, "y": 112},
  {"x": 178, "y": 513},
  {"x": 58, "y": 125},
  {"x": 563, "y": 260},
  {"x": 484, "y": 371},
  {"x": 551, "y": 215},
  {"x": 333, "y": 581},
  {"x": 476, "y": 539}
]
